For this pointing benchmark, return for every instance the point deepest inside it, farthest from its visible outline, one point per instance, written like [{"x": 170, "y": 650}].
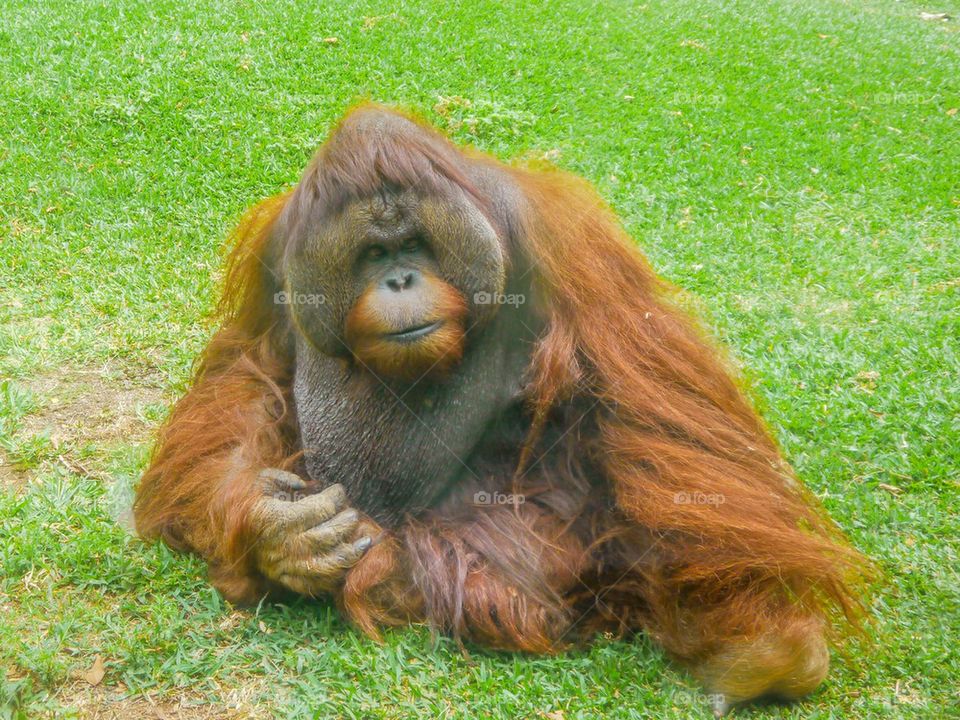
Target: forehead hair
[{"x": 374, "y": 152}]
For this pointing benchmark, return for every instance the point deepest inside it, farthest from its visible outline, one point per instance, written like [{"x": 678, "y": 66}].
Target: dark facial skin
[
  {"x": 396, "y": 453},
  {"x": 394, "y": 270},
  {"x": 400, "y": 444}
]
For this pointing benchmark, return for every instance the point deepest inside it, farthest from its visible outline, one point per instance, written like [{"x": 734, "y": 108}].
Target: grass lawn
[{"x": 794, "y": 165}]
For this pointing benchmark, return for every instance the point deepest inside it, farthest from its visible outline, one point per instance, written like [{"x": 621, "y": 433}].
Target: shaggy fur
[{"x": 655, "y": 498}]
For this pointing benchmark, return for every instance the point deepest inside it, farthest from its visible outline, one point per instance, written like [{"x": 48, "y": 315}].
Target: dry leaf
[
  {"x": 946, "y": 284},
  {"x": 934, "y": 16},
  {"x": 331, "y": 40},
  {"x": 446, "y": 104},
  {"x": 95, "y": 674},
  {"x": 867, "y": 380},
  {"x": 952, "y": 111},
  {"x": 369, "y": 22},
  {"x": 892, "y": 489},
  {"x": 231, "y": 621}
]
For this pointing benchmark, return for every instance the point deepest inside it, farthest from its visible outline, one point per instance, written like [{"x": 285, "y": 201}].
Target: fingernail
[{"x": 363, "y": 544}]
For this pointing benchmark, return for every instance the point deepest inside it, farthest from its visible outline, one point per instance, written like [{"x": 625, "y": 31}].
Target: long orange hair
[{"x": 698, "y": 531}]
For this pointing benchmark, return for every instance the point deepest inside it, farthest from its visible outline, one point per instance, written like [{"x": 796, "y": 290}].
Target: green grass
[{"x": 794, "y": 165}]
